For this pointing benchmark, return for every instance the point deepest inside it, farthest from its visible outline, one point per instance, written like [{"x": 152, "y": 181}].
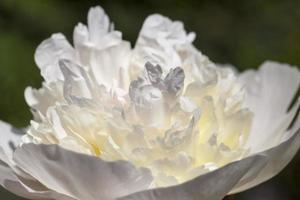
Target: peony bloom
[{"x": 159, "y": 121}]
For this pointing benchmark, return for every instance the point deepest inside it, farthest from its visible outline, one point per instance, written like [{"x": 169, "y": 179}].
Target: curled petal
[
  {"x": 77, "y": 83},
  {"x": 49, "y": 52},
  {"x": 174, "y": 80},
  {"x": 158, "y": 41},
  {"x": 154, "y": 73}
]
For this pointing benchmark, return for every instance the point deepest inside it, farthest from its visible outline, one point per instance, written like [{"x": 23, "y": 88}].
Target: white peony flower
[{"x": 159, "y": 121}]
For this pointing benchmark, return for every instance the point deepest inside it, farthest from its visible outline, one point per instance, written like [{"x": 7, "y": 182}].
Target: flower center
[{"x": 177, "y": 130}]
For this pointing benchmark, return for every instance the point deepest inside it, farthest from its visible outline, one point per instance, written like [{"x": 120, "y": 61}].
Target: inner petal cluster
[
  {"x": 162, "y": 105},
  {"x": 177, "y": 131}
]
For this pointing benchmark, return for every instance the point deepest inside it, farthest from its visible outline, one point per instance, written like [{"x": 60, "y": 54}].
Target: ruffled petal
[
  {"x": 49, "y": 52},
  {"x": 159, "y": 41},
  {"x": 41, "y": 99}
]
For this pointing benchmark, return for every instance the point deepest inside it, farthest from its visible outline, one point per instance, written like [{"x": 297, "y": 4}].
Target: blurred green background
[{"x": 243, "y": 33}]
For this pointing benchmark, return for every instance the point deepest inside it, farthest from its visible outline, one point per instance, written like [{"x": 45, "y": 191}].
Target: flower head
[{"x": 132, "y": 122}]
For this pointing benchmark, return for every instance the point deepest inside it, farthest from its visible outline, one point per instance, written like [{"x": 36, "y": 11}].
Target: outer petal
[
  {"x": 278, "y": 158},
  {"x": 79, "y": 175},
  {"x": 14, "y": 179},
  {"x": 269, "y": 93},
  {"x": 10, "y": 138},
  {"x": 49, "y": 52},
  {"x": 26, "y": 188},
  {"x": 212, "y": 186}
]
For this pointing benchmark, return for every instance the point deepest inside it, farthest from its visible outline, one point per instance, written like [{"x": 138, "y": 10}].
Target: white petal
[
  {"x": 10, "y": 138},
  {"x": 158, "y": 41},
  {"x": 98, "y": 23},
  {"x": 80, "y": 35},
  {"x": 59, "y": 131},
  {"x": 278, "y": 158},
  {"x": 26, "y": 188},
  {"x": 211, "y": 186},
  {"x": 49, "y": 52},
  {"x": 106, "y": 65},
  {"x": 157, "y": 27},
  {"x": 10, "y": 181},
  {"x": 11, "y": 177},
  {"x": 79, "y": 175},
  {"x": 101, "y": 33},
  {"x": 269, "y": 93},
  {"x": 9, "y": 141},
  {"x": 77, "y": 83},
  {"x": 41, "y": 99}
]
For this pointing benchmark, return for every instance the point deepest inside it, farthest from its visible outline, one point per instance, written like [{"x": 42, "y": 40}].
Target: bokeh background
[{"x": 243, "y": 33}]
